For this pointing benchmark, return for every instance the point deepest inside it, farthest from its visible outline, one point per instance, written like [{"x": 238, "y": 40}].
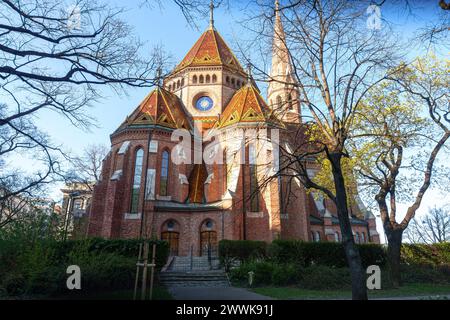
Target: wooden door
[
  {"x": 172, "y": 238},
  {"x": 208, "y": 239}
]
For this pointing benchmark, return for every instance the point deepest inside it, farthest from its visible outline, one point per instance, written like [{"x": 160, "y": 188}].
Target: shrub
[
  {"x": 231, "y": 251},
  {"x": 285, "y": 274},
  {"x": 263, "y": 271},
  {"x": 325, "y": 278},
  {"x": 425, "y": 273}
]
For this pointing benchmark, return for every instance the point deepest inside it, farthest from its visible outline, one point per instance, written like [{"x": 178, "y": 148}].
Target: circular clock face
[{"x": 204, "y": 103}]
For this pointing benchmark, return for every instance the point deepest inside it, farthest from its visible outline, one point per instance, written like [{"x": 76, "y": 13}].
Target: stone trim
[
  {"x": 164, "y": 198},
  {"x": 255, "y": 214},
  {"x": 116, "y": 175},
  {"x": 153, "y": 146},
  {"x": 124, "y": 147},
  {"x": 132, "y": 216}
]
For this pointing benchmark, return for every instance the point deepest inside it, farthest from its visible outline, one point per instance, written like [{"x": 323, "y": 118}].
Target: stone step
[
  {"x": 209, "y": 284},
  {"x": 192, "y": 278},
  {"x": 186, "y": 264},
  {"x": 207, "y": 278}
]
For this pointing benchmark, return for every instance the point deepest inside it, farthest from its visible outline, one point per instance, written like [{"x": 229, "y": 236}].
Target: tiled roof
[
  {"x": 210, "y": 49},
  {"x": 160, "y": 107},
  {"x": 247, "y": 105}
]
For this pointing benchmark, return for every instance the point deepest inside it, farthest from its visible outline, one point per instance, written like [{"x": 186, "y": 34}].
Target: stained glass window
[
  {"x": 164, "y": 174},
  {"x": 136, "y": 181}
]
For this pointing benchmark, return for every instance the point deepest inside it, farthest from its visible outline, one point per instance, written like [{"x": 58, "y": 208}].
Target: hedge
[
  {"x": 40, "y": 268},
  {"x": 240, "y": 250},
  {"x": 436, "y": 254},
  {"x": 329, "y": 253},
  {"x": 303, "y": 253}
]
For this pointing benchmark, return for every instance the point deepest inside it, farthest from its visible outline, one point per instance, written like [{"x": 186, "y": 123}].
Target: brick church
[{"x": 194, "y": 204}]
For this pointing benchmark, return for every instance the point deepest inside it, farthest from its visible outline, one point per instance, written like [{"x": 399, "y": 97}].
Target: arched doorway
[
  {"x": 208, "y": 238},
  {"x": 170, "y": 233}
]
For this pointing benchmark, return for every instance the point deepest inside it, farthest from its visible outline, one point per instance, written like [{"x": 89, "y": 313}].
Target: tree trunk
[
  {"x": 359, "y": 289},
  {"x": 394, "y": 247}
]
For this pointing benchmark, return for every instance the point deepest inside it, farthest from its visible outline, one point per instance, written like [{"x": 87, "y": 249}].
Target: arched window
[
  {"x": 227, "y": 79},
  {"x": 208, "y": 78},
  {"x": 182, "y": 82},
  {"x": 214, "y": 78},
  {"x": 279, "y": 102},
  {"x": 238, "y": 84},
  {"x": 317, "y": 236},
  {"x": 201, "y": 79},
  {"x": 136, "y": 180},
  {"x": 312, "y": 236},
  {"x": 164, "y": 177},
  {"x": 336, "y": 236},
  {"x": 170, "y": 87},
  {"x": 194, "y": 79},
  {"x": 357, "y": 237},
  {"x": 178, "y": 84},
  {"x": 363, "y": 237},
  {"x": 232, "y": 81}
]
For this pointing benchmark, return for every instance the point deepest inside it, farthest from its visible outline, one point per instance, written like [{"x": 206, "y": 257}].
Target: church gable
[
  {"x": 247, "y": 106},
  {"x": 160, "y": 107}
]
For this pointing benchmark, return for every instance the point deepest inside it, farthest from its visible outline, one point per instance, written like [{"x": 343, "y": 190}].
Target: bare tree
[
  {"x": 336, "y": 60},
  {"x": 434, "y": 227},
  {"x": 87, "y": 167},
  {"x": 57, "y": 57}
]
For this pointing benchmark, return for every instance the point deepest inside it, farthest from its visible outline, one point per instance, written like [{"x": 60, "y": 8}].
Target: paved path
[{"x": 213, "y": 293}]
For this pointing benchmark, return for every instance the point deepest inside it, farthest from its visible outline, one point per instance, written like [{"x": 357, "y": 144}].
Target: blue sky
[{"x": 167, "y": 26}]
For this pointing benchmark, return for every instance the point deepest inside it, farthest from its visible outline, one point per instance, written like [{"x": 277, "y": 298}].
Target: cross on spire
[{"x": 211, "y": 14}]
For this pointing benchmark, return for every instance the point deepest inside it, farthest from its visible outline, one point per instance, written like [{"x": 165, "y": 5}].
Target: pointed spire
[
  {"x": 249, "y": 73},
  {"x": 211, "y": 14},
  {"x": 279, "y": 94}
]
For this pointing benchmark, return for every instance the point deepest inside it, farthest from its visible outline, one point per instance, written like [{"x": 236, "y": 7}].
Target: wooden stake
[
  {"x": 137, "y": 272},
  {"x": 152, "y": 266},
  {"x": 144, "y": 275}
]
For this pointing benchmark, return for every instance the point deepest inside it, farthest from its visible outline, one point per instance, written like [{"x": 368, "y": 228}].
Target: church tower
[
  {"x": 207, "y": 78},
  {"x": 283, "y": 95}
]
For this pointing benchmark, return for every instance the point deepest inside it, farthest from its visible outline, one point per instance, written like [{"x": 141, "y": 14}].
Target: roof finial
[
  {"x": 249, "y": 72},
  {"x": 211, "y": 14},
  {"x": 158, "y": 77},
  {"x": 277, "y": 5}
]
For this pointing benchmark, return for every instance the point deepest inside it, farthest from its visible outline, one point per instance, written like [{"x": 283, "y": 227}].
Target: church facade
[{"x": 155, "y": 184}]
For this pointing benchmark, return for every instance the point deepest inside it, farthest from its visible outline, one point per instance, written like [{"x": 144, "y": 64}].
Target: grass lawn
[
  {"x": 408, "y": 290},
  {"x": 159, "y": 293}
]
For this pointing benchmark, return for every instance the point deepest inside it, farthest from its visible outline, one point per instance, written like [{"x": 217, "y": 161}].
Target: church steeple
[{"x": 282, "y": 95}]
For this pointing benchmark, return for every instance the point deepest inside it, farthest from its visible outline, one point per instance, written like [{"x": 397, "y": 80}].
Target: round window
[
  {"x": 204, "y": 103},
  {"x": 209, "y": 224},
  {"x": 170, "y": 225}
]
